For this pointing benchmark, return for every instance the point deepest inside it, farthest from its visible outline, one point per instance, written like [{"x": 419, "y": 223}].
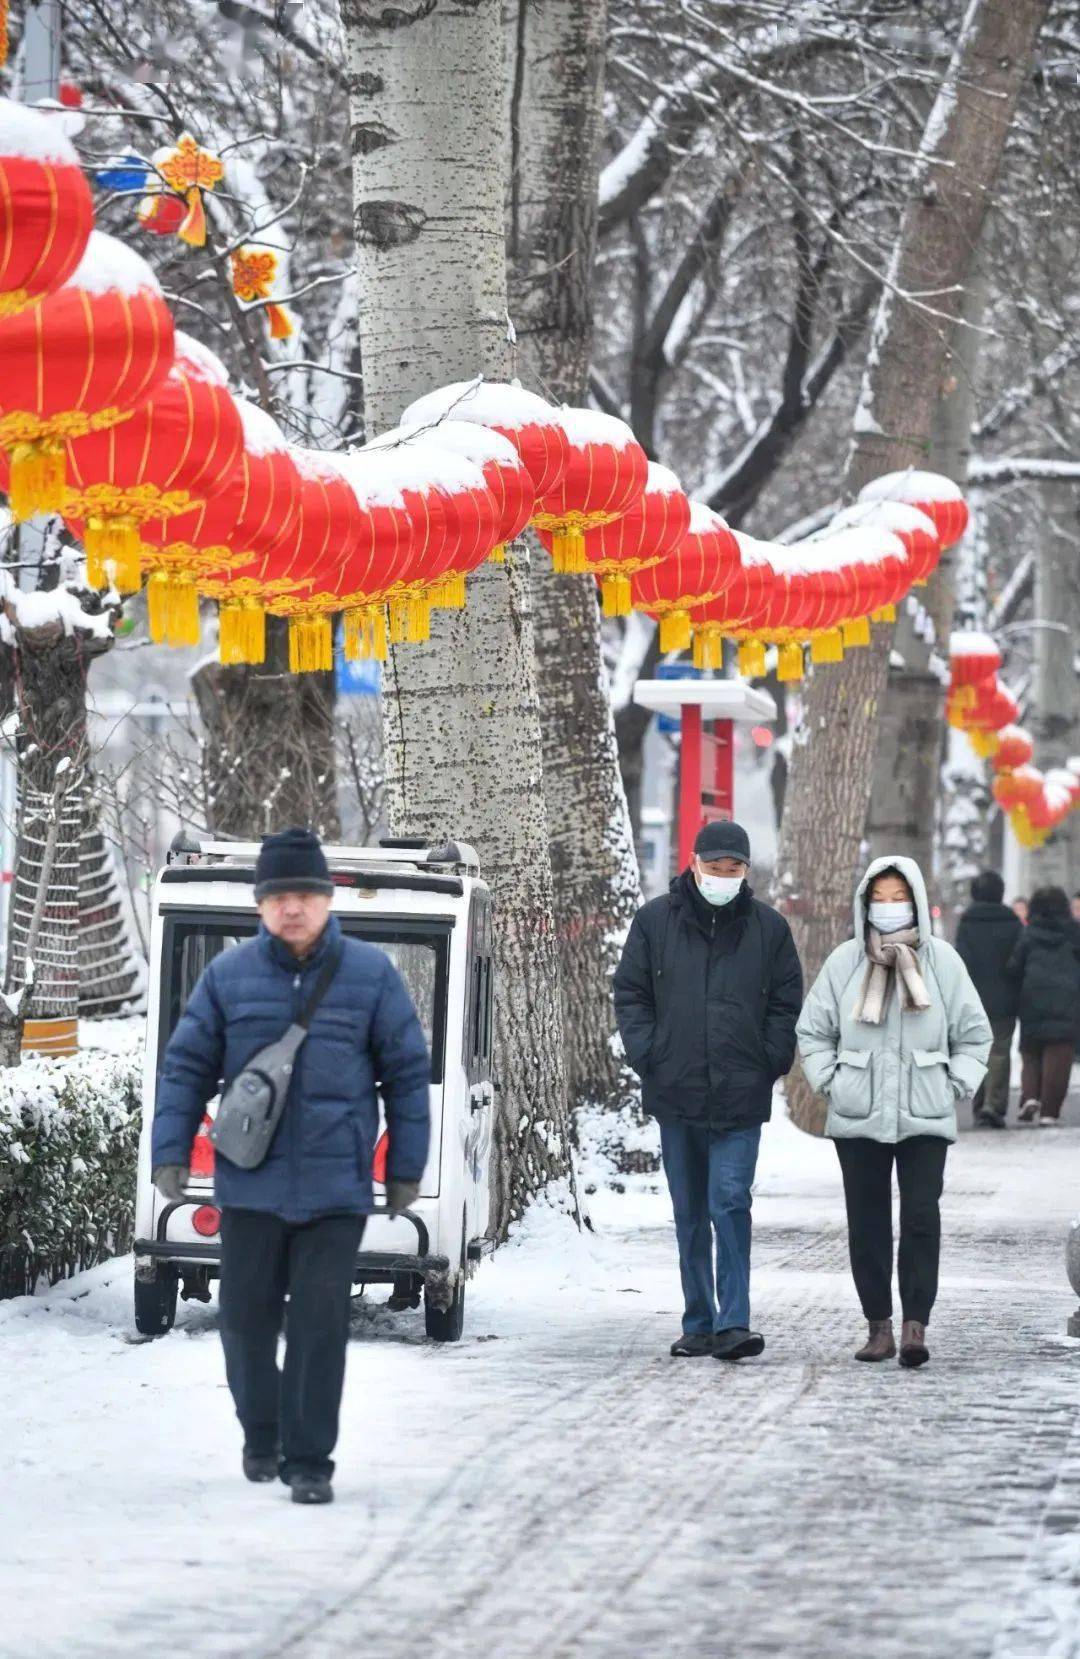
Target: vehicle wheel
[
  {"x": 446, "y": 1324},
  {"x": 155, "y": 1298}
]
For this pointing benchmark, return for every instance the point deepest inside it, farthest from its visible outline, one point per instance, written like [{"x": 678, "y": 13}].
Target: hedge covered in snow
[{"x": 69, "y": 1135}]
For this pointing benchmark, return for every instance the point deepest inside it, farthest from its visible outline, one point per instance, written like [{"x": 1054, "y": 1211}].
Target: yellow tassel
[
  {"x": 700, "y": 650},
  {"x": 37, "y": 480},
  {"x": 985, "y": 744},
  {"x": 827, "y": 646},
  {"x": 355, "y": 636},
  {"x": 616, "y": 594},
  {"x": 449, "y": 593},
  {"x": 113, "y": 548},
  {"x": 675, "y": 631},
  {"x": 789, "y": 663},
  {"x": 193, "y": 229},
  {"x": 855, "y": 633},
  {"x": 241, "y": 632},
  {"x": 157, "y": 605},
  {"x": 311, "y": 644},
  {"x": 751, "y": 659},
  {"x": 418, "y": 621},
  {"x": 884, "y": 613},
  {"x": 280, "y": 322},
  {"x": 377, "y": 621},
  {"x": 399, "y": 617},
  {"x": 498, "y": 554},
  {"x": 183, "y": 610}
]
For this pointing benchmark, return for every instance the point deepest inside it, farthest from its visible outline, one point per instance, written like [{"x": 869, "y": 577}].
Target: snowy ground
[{"x": 556, "y": 1485}]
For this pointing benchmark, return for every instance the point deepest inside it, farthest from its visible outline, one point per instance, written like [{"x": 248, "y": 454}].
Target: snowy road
[{"x": 556, "y": 1485}]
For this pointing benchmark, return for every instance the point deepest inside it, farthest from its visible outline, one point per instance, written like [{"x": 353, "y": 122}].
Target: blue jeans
[{"x": 709, "y": 1174}]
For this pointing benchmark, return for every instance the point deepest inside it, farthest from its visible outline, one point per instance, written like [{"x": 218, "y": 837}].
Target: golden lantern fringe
[
  {"x": 568, "y": 552},
  {"x": 311, "y": 644},
  {"x": 855, "y": 633},
  {"x": 38, "y": 478},
  {"x": 183, "y": 612},
  {"x": 789, "y": 662},
  {"x": 365, "y": 634},
  {"x": 827, "y": 646},
  {"x": 449, "y": 592},
  {"x": 157, "y": 605},
  {"x": 241, "y": 632},
  {"x": 498, "y": 554},
  {"x": 418, "y": 621},
  {"x": 985, "y": 744},
  {"x": 616, "y": 594},
  {"x": 675, "y": 631},
  {"x": 113, "y": 549},
  {"x": 14, "y": 300},
  {"x": 398, "y": 612},
  {"x": 884, "y": 613},
  {"x": 752, "y": 659}
]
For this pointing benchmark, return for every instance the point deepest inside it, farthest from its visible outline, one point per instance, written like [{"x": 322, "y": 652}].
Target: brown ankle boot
[
  {"x": 913, "y": 1349},
  {"x": 881, "y": 1343}
]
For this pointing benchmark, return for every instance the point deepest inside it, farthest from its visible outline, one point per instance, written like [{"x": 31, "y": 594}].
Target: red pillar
[
  {"x": 689, "y": 782},
  {"x": 724, "y": 780}
]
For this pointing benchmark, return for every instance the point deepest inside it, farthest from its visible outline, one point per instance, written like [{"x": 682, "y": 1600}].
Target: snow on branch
[{"x": 1011, "y": 469}]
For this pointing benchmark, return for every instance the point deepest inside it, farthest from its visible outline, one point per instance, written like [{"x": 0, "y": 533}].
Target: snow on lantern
[
  {"x": 77, "y": 363},
  {"x": 744, "y": 601},
  {"x": 46, "y": 213},
  {"x": 605, "y": 475},
  {"x": 1017, "y": 787},
  {"x": 1014, "y": 748},
  {"x": 973, "y": 657},
  {"x": 696, "y": 571},
  {"x": 525, "y": 420},
  {"x": 175, "y": 450},
  {"x": 1066, "y": 784},
  {"x": 505, "y": 473},
  {"x": 645, "y": 533},
  {"x": 911, "y": 526},
  {"x": 871, "y": 561},
  {"x": 933, "y": 494},
  {"x": 250, "y": 516}
]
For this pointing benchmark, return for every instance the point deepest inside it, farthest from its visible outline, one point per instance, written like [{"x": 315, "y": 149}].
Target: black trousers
[
  {"x": 920, "y": 1171},
  {"x": 263, "y": 1260}
]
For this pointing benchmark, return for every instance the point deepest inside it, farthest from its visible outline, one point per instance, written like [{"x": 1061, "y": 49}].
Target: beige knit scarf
[{"x": 889, "y": 955}]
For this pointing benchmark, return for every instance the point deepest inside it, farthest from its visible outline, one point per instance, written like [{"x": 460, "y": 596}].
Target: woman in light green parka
[{"x": 893, "y": 1035}]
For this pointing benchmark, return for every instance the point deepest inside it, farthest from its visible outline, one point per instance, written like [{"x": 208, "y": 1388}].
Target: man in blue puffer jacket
[{"x": 293, "y": 1225}]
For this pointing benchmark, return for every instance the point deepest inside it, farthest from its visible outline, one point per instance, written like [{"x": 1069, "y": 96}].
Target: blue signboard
[
  {"x": 674, "y": 671},
  {"x": 356, "y": 679}
]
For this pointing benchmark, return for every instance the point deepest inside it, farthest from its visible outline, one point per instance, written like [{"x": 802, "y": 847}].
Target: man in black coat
[
  {"x": 706, "y": 995},
  {"x": 987, "y": 934}
]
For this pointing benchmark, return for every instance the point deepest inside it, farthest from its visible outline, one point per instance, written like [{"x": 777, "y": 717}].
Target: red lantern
[
  {"x": 504, "y": 473},
  {"x": 46, "y": 214},
  {"x": 161, "y": 213},
  {"x": 938, "y": 497},
  {"x": 1014, "y": 748},
  {"x": 740, "y": 610},
  {"x": 175, "y": 451},
  {"x": 973, "y": 657},
  {"x": 525, "y": 420},
  {"x": 649, "y": 530},
  {"x": 605, "y": 475},
  {"x": 79, "y": 362},
  {"x": 913, "y": 528},
  {"x": 694, "y": 573},
  {"x": 873, "y": 564}
]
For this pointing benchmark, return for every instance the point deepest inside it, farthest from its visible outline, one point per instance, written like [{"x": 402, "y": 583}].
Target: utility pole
[{"x": 40, "y": 51}]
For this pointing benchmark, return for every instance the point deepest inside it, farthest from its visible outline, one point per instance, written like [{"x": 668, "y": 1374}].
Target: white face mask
[
  {"x": 890, "y": 918},
  {"x": 719, "y": 889}
]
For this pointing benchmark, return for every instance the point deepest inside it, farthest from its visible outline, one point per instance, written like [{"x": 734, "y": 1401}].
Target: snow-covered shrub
[{"x": 69, "y": 1135}]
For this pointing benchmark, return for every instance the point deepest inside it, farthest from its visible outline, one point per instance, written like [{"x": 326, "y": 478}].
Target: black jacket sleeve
[
  {"x": 964, "y": 943},
  {"x": 783, "y": 1003},
  {"x": 635, "y": 1004},
  {"x": 1014, "y": 967}
]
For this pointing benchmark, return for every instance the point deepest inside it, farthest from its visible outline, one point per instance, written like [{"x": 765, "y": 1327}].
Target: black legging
[{"x": 920, "y": 1171}]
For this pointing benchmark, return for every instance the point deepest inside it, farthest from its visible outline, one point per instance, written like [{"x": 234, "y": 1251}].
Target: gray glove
[
  {"x": 401, "y": 1194},
  {"x": 170, "y": 1180}
]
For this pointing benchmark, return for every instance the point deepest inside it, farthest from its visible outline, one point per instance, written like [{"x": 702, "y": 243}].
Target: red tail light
[
  {"x": 206, "y": 1220},
  {"x": 378, "y": 1163},
  {"x": 201, "y": 1158}
]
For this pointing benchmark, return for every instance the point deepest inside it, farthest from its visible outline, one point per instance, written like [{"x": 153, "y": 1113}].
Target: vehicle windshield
[{"x": 418, "y": 954}]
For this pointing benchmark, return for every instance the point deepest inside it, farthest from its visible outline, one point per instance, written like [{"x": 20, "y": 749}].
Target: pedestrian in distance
[
  {"x": 1045, "y": 967},
  {"x": 893, "y": 1035},
  {"x": 1019, "y": 907},
  {"x": 291, "y": 1227},
  {"x": 988, "y": 933},
  {"x": 706, "y": 997},
  {"x": 1074, "y": 906}
]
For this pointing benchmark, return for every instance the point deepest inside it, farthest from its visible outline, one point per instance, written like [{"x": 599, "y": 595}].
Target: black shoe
[
  {"x": 693, "y": 1345},
  {"x": 260, "y": 1466},
  {"x": 988, "y": 1120},
  {"x": 308, "y": 1488},
  {"x": 737, "y": 1344}
]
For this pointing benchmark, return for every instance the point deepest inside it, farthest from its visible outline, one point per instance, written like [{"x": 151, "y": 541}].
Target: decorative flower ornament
[
  {"x": 254, "y": 273},
  {"x": 189, "y": 170}
]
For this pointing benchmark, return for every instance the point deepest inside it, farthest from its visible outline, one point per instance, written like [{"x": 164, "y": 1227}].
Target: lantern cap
[
  {"x": 901, "y": 517},
  {"x": 505, "y": 404},
  {"x": 414, "y": 463},
  {"x": 592, "y": 426},
  {"x": 660, "y": 480},
  {"x": 755, "y": 552},
  {"x": 703, "y": 519},
  {"x": 110, "y": 266},
  {"x": 970, "y": 643},
  {"x": 911, "y": 484},
  {"x": 193, "y": 356},
  {"x": 857, "y": 545},
  {"x": 262, "y": 434},
  {"x": 33, "y": 136},
  {"x": 479, "y": 444}
]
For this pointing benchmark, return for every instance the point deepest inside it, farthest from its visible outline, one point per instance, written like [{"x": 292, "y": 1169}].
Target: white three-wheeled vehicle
[{"x": 428, "y": 909}]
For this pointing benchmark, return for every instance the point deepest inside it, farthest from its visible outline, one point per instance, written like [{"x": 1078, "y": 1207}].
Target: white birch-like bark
[
  {"x": 426, "y": 87},
  {"x": 556, "y": 61}
]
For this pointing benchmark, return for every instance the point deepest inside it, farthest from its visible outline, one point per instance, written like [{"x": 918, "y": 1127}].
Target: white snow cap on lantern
[
  {"x": 314, "y": 464},
  {"x": 1059, "y": 777},
  {"x": 414, "y": 463},
  {"x": 33, "y": 136},
  {"x": 1022, "y": 732},
  {"x": 262, "y": 434},
  {"x": 484, "y": 403},
  {"x": 752, "y": 551},
  {"x": 591, "y": 426},
  {"x": 911, "y": 485},
  {"x": 661, "y": 480},
  {"x": 703, "y": 519},
  {"x": 195, "y": 358},
  {"x": 832, "y": 550},
  {"x": 901, "y": 517},
  {"x": 109, "y": 266},
  {"x": 367, "y": 476},
  {"x": 477, "y": 443},
  {"x": 970, "y": 643}
]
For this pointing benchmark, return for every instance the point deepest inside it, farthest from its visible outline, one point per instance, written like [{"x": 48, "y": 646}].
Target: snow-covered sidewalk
[{"x": 555, "y": 1485}]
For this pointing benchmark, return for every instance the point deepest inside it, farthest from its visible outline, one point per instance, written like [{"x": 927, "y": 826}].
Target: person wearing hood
[
  {"x": 706, "y": 996},
  {"x": 893, "y": 1035},
  {"x": 1045, "y": 968},
  {"x": 988, "y": 933}
]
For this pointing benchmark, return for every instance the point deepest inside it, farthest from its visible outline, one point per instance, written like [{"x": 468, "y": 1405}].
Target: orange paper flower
[{"x": 189, "y": 171}]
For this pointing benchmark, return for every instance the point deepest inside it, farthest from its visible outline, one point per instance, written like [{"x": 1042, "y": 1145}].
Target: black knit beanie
[{"x": 291, "y": 862}]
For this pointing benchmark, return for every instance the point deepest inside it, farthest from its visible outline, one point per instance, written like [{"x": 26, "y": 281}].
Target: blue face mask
[{"x": 719, "y": 889}]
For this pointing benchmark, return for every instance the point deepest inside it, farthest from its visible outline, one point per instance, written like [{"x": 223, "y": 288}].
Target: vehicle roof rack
[{"x": 411, "y": 851}]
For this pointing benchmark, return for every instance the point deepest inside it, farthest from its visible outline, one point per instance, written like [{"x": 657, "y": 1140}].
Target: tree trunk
[
  {"x": 112, "y": 971},
  {"x": 1054, "y": 717},
  {"x": 463, "y": 751},
  {"x": 833, "y": 767},
  {"x": 268, "y": 755},
  {"x": 556, "y": 55}
]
